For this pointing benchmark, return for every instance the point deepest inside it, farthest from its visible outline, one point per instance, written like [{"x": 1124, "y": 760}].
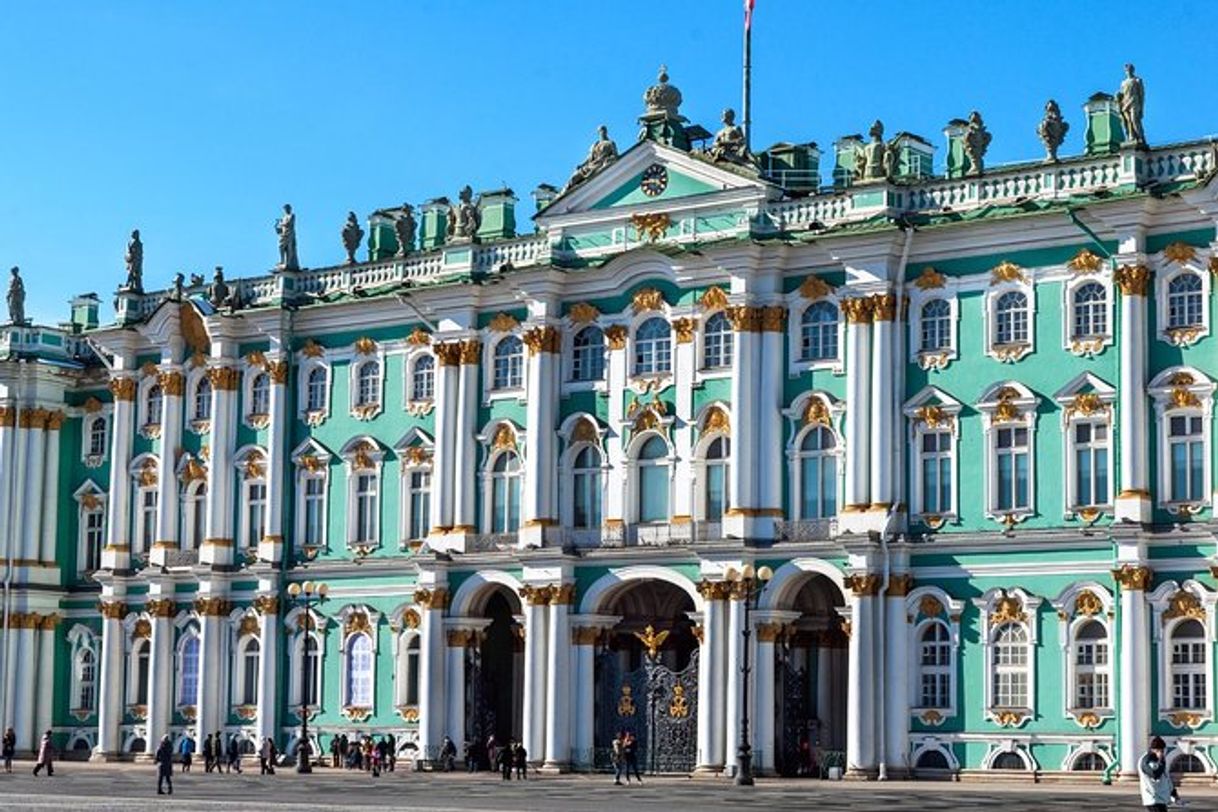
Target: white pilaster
[
  {"x": 896, "y": 677},
  {"x": 558, "y": 683},
  {"x": 172, "y": 386},
  {"x": 684, "y": 364},
  {"x": 712, "y": 680},
  {"x": 270, "y": 546},
  {"x": 117, "y": 553},
  {"x": 50, "y": 489},
  {"x": 44, "y": 715},
  {"x": 770, "y": 451},
  {"x": 447, "y": 395},
  {"x": 213, "y": 607},
  {"x": 1134, "y": 708},
  {"x": 23, "y": 690},
  {"x": 30, "y": 429},
  {"x": 1133, "y": 499},
  {"x": 743, "y": 486},
  {"x": 615, "y": 502},
  {"x": 535, "y": 623},
  {"x": 218, "y": 547},
  {"x": 160, "y": 670},
  {"x": 858, "y": 414},
  {"x": 883, "y": 377},
  {"x": 860, "y": 701},
  {"x": 735, "y": 681},
  {"x": 465, "y": 519},
  {"x": 583, "y": 697},
  {"x": 110, "y": 682},
  {"x": 268, "y": 664},
  {"x": 432, "y": 645},
  {"x": 458, "y": 644}
]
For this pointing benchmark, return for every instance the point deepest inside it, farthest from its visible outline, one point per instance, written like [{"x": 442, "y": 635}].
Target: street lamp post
[
  {"x": 752, "y": 582},
  {"x": 304, "y": 594}
]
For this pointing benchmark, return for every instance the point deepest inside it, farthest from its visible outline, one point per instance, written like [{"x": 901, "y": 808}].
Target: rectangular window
[
  {"x": 936, "y": 472},
  {"x": 653, "y": 493},
  {"x": 314, "y": 513},
  {"x": 95, "y": 538},
  {"x": 587, "y": 500},
  {"x": 420, "y": 504},
  {"x": 255, "y": 519},
  {"x": 935, "y": 688},
  {"x": 1012, "y": 464},
  {"x": 365, "y": 509},
  {"x": 1187, "y": 446},
  {"x": 1090, "y": 464},
  {"x": 148, "y": 509}
]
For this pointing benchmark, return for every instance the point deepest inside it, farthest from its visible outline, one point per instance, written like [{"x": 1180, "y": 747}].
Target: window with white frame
[
  {"x": 588, "y": 354},
  {"x": 358, "y": 677},
  {"x": 317, "y": 385},
  {"x": 423, "y": 378},
  {"x": 260, "y": 395},
  {"x": 418, "y": 500},
  {"x": 201, "y": 408},
  {"x": 147, "y": 501},
  {"x": 505, "y": 493},
  {"x": 93, "y": 534},
  {"x": 248, "y": 661},
  {"x": 653, "y": 347},
  {"x": 154, "y": 400},
  {"x": 254, "y": 526},
  {"x": 95, "y": 438},
  {"x": 1186, "y": 452},
  {"x": 141, "y": 652},
  {"x": 188, "y": 670},
  {"x": 1090, "y": 443},
  {"x": 309, "y": 677},
  {"x": 586, "y": 488},
  {"x": 1009, "y": 651},
  {"x": 313, "y": 509},
  {"x": 1189, "y": 669},
  {"x": 1092, "y": 667},
  {"x": 935, "y": 666},
  {"x": 408, "y": 671},
  {"x": 1183, "y": 398},
  {"x": 194, "y": 514},
  {"x": 1185, "y": 301},
  {"x": 715, "y": 494},
  {"x": 817, "y": 464},
  {"x": 508, "y": 365},
  {"x": 935, "y": 455},
  {"x": 368, "y": 384},
  {"x": 84, "y": 673},
  {"x": 717, "y": 342},
  {"x": 1089, "y": 312},
  {"x": 652, "y": 485},
  {"x": 936, "y": 326},
  {"x": 1011, "y": 463},
  {"x": 1011, "y": 319},
  {"x": 818, "y": 330},
  {"x": 367, "y": 508}
]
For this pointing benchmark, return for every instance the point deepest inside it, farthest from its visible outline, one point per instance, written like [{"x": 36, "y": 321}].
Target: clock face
[{"x": 655, "y": 180}]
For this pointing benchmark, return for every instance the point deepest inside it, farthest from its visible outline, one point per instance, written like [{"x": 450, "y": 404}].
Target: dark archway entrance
[
  {"x": 647, "y": 678},
  {"x": 495, "y": 673}
]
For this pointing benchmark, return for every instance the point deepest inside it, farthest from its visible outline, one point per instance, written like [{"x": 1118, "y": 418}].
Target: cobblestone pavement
[{"x": 133, "y": 787}]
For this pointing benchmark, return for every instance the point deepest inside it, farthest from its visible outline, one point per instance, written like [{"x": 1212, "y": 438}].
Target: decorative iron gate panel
[
  {"x": 656, "y": 704},
  {"x": 793, "y": 713}
]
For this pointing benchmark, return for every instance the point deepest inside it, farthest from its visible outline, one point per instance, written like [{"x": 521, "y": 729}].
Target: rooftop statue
[
  {"x": 285, "y": 227},
  {"x": 176, "y": 293},
  {"x": 464, "y": 217},
  {"x": 353, "y": 235},
  {"x": 403, "y": 229},
  {"x": 16, "y": 298},
  {"x": 663, "y": 97},
  {"x": 875, "y": 160},
  {"x": 218, "y": 293},
  {"x": 729, "y": 144},
  {"x": 135, "y": 263},
  {"x": 1131, "y": 98},
  {"x": 1052, "y": 130},
  {"x": 976, "y": 141},
  {"x": 602, "y": 153}
]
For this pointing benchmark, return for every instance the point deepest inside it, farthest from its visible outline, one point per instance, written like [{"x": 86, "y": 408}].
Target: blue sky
[{"x": 195, "y": 122}]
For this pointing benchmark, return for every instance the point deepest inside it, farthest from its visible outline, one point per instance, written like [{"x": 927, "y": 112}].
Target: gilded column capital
[
  {"x": 462, "y": 638},
  {"x": 172, "y": 383},
  {"x": 1133, "y": 280},
  {"x": 471, "y": 351},
  {"x": 1132, "y": 577},
  {"x": 744, "y": 319},
  {"x": 161, "y": 607},
  {"x": 884, "y": 306},
  {"x": 616, "y": 334},
  {"x": 537, "y": 595},
  {"x": 585, "y": 635},
  {"x": 436, "y": 598},
  {"x": 714, "y": 590},
  {"x": 546, "y": 339},
  {"x": 213, "y": 607},
  {"x": 768, "y": 632},
  {"x": 55, "y": 420},
  {"x": 123, "y": 388},
  {"x": 32, "y": 419},
  {"x": 562, "y": 595},
  {"x": 49, "y": 622},
  {"x": 900, "y": 585},
  {"x": 224, "y": 379},
  {"x": 684, "y": 328},
  {"x": 112, "y": 610},
  {"x": 8, "y": 417},
  {"x": 863, "y": 584},
  {"x": 774, "y": 319},
  {"x": 278, "y": 370},
  {"x": 448, "y": 354},
  {"x": 859, "y": 310},
  {"x": 266, "y": 604}
]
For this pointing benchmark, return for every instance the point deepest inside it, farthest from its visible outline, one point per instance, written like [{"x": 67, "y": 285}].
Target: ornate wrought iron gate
[
  {"x": 658, "y": 705},
  {"x": 793, "y": 715}
]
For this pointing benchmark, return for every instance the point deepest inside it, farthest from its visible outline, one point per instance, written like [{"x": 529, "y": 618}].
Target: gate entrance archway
[{"x": 495, "y": 673}]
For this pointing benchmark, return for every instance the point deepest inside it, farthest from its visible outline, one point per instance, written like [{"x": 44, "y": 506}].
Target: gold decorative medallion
[
  {"x": 1179, "y": 253},
  {"x": 930, "y": 279},
  {"x": 646, "y": 299},
  {"x": 1085, "y": 262},
  {"x": 1007, "y": 272}
]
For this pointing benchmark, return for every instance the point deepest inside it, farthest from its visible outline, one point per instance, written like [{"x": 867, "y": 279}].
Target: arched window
[
  {"x": 1184, "y": 302},
  {"x": 310, "y": 672},
  {"x": 201, "y": 409},
  {"x": 1091, "y": 668},
  {"x": 1010, "y": 652},
  {"x": 716, "y": 499},
  {"x": 188, "y": 671},
  {"x": 423, "y": 379},
  {"x": 359, "y": 671},
  {"x": 653, "y": 347},
  {"x": 250, "y": 657},
  {"x": 1089, "y": 762},
  {"x": 1186, "y": 763},
  {"x": 1186, "y": 446},
  {"x": 818, "y": 332},
  {"x": 936, "y": 326},
  {"x": 717, "y": 342},
  {"x": 934, "y": 666},
  {"x": 818, "y": 474},
  {"x": 932, "y": 760},
  {"x": 509, "y": 364},
  {"x": 97, "y": 437},
  {"x": 586, "y": 488},
  {"x": 195, "y": 514},
  {"x": 505, "y": 493},
  {"x": 153, "y": 403},
  {"x": 1007, "y": 761},
  {"x": 260, "y": 394},
  {"x": 1011, "y": 314},
  {"x": 1188, "y": 666},
  {"x": 315, "y": 390},
  {"x": 1090, "y": 311},
  {"x": 653, "y": 481},
  {"x": 588, "y": 358},
  {"x": 86, "y": 680},
  {"x": 368, "y": 384}
]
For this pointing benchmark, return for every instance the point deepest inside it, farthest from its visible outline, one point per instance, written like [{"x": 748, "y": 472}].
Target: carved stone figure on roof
[
  {"x": 602, "y": 153},
  {"x": 285, "y": 227},
  {"x": 976, "y": 141},
  {"x": 218, "y": 292},
  {"x": 16, "y": 297},
  {"x": 1131, "y": 98},
  {"x": 353, "y": 235},
  {"x": 1052, "y": 130},
  {"x": 135, "y": 263},
  {"x": 875, "y": 160},
  {"x": 729, "y": 144},
  {"x": 464, "y": 217},
  {"x": 176, "y": 293},
  {"x": 404, "y": 228}
]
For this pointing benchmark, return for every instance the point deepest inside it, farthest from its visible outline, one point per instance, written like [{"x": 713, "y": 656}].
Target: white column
[
  {"x": 558, "y": 683},
  {"x": 45, "y": 714},
  {"x": 23, "y": 690},
  {"x": 711, "y": 678},
  {"x": 432, "y": 711},
  {"x": 212, "y": 710},
  {"x": 50, "y": 489},
  {"x": 541, "y": 456},
  {"x": 770, "y": 451},
  {"x": 32, "y": 423},
  {"x": 1133, "y": 500},
  {"x": 746, "y": 381},
  {"x": 268, "y": 665},
  {"x": 465, "y": 446},
  {"x": 117, "y": 553},
  {"x": 172, "y": 387},
  {"x": 160, "y": 670},
  {"x": 270, "y": 546},
  {"x": 1134, "y": 708},
  {"x": 11, "y": 659},
  {"x": 615, "y": 503},
  {"x": 763, "y": 695},
  {"x": 684, "y": 364},
  {"x": 535, "y": 623},
  {"x": 583, "y": 697},
  {"x": 218, "y": 547},
  {"x": 110, "y": 693},
  {"x": 443, "y": 464},
  {"x": 735, "y": 681},
  {"x": 858, "y": 411},
  {"x": 860, "y": 711},
  {"x": 883, "y": 377},
  {"x": 896, "y": 677},
  {"x": 459, "y": 639},
  {"x": 8, "y": 540}
]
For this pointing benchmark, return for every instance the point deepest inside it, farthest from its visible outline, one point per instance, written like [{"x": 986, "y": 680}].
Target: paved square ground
[{"x": 133, "y": 787}]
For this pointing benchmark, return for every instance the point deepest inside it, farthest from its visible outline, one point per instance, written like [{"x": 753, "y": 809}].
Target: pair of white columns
[
  {"x": 30, "y": 646},
  {"x": 454, "y": 457},
  {"x": 540, "y": 508}
]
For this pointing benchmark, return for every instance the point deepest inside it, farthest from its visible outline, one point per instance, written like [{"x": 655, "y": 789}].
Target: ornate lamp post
[
  {"x": 304, "y": 594},
  {"x": 751, "y": 582}
]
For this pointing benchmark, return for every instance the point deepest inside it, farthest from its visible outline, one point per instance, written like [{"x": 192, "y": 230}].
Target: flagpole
[{"x": 748, "y": 56}]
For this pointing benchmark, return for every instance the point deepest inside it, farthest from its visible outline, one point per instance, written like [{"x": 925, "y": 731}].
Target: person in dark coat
[
  {"x": 392, "y": 747},
  {"x": 522, "y": 762},
  {"x": 46, "y": 754},
  {"x": 503, "y": 760},
  {"x": 630, "y": 751},
  {"x": 209, "y": 753},
  {"x": 9, "y": 748},
  {"x": 164, "y": 765},
  {"x": 234, "y": 754}
]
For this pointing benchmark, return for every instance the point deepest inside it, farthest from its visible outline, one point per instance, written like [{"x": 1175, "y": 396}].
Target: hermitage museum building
[{"x": 499, "y": 478}]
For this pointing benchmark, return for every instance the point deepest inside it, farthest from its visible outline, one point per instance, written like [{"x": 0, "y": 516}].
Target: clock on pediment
[{"x": 654, "y": 181}]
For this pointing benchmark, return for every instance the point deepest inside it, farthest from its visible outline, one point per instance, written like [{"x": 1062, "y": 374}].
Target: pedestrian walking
[
  {"x": 334, "y": 751},
  {"x": 46, "y": 754},
  {"x": 9, "y": 748},
  {"x": 630, "y": 750},
  {"x": 343, "y": 749},
  {"x": 619, "y": 759},
  {"x": 522, "y": 762},
  {"x": 186, "y": 748},
  {"x": 164, "y": 765},
  {"x": 503, "y": 761},
  {"x": 217, "y": 752},
  {"x": 234, "y": 754},
  {"x": 1154, "y": 780},
  {"x": 492, "y": 752},
  {"x": 209, "y": 753},
  {"x": 392, "y": 747},
  {"x": 448, "y": 755},
  {"x": 266, "y": 756}
]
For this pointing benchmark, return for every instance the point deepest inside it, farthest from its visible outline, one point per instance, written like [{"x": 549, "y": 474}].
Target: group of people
[
  {"x": 625, "y": 757},
  {"x": 364, "y": 753},
  {"x": 489, "y": 755}
]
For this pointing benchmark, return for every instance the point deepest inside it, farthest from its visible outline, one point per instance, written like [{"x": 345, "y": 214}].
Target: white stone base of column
[
  {"x": 532, "y": 534},
  {"x": 1132, "y": 506},
  {"x": 555, "y": 767},
  {"x": 104, "y": 758},
  {"x": 457, "y": 540}
]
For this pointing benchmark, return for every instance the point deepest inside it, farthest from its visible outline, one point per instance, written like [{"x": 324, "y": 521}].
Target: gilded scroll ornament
[
  {"x": 357, "y": 623},
  {"x": 503, "y": 323},
  {"x": 312, "y": 349},
  {"x": 716, "y": 421},
  {"x": 1007, "y": 609},
  {"x": 1184, "y": 604},
  {"x": 1088, "y": 603},
  {"x": 646, "y": 299},
  {"x": 504, "y": 438},
  {"x": 625, "y": 703},
  {"x": 713, "y": 298},
  {"x": 814, "y": 287},
  {"x": 1179, "y": 253},
  {"x": 930, "y": 279},
  {"x": 1085, "y": 262},
  {"x": 817, "y": 412},
  {"x": 1006, "y": 271},
  {"x": 932, "y": 416},
  {"x": 651, "y": 226},
  {"x": 364, "y": 346},
  {"x": 418, "y": 337},
  {"x": 678, "y": 708},
  {"x": 930, "y": 606}
]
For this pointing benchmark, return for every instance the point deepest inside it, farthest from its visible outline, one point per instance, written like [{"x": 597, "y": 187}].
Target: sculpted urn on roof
[
  {"x": 353, "y": 235},
  {"x": 1052, "y": 130},
  {"x": 662, "y": 120}
]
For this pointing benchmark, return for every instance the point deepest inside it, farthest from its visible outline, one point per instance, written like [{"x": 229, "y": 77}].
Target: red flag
[{"x": 748, "y": 13}]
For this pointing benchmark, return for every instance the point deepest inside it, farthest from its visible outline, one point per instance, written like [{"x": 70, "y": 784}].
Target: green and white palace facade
[{"x": 965, "y": 418}]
